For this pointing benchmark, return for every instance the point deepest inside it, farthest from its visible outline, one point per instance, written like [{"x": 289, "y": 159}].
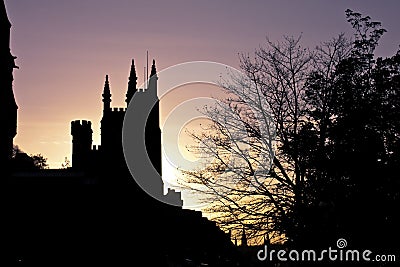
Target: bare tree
[{"x": 256, "y": 162}]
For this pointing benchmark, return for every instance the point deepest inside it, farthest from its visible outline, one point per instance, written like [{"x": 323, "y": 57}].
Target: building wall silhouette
[
  {"x": 52, "y": 220},
  {"x": 8, "y": 106}
]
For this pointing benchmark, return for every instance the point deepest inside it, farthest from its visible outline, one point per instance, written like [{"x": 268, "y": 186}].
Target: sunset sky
[{"x": 65, "y": 49}]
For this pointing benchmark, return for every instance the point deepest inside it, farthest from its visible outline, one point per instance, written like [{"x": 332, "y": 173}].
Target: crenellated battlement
[
  {"x": 118, "y": 110},
  {"x": 81, "y": 123},
  {"x": 79, "y": 127}
]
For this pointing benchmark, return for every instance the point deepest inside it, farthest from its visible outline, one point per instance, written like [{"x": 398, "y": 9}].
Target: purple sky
[{"x": 65, "y": 48}]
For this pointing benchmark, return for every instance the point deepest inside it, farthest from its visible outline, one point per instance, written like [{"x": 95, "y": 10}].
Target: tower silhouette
[
  {"x": 102, "y": 225},
  {"x": 8, "y": 106},
  {"x": 81, "y": 143},
  {"x": 107, "y": 160}
]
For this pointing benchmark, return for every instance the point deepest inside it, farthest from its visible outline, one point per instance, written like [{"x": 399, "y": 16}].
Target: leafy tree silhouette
[{"x": 21, "y": 161}]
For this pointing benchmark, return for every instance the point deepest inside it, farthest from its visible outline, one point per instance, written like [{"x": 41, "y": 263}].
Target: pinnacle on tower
[
  {"x": 152, "y": 85},
  {"x": 244, "y": 238},
  {"x": 153, "y": 69},
  {"x": 132, "y": 84},
  {"x": 107, "y": 95}
]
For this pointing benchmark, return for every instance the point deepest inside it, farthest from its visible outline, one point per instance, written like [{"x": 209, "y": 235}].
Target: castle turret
[
  {"x": 132, "y": 84},
  {"x": 106, "y": 96},
  {"x": 8, "y": 106},
  {"x": 81, "y": 144}
]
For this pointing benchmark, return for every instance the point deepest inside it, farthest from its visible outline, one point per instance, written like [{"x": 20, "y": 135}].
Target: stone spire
[
  {"x": 153, "y": 69},
  {"x": 106, "y": 96},
  {"x": 132, "y": 84}
]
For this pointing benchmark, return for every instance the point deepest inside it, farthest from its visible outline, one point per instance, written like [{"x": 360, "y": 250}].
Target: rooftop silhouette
[{"x": 93, "y": 212}]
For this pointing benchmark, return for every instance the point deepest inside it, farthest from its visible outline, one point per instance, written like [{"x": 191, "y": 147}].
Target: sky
[{"x": 65, "y": 48}]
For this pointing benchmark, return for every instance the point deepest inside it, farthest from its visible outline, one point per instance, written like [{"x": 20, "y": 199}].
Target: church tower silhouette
[
  {"x": 100, "y": 225},
  {"x": 109, "y": 155},
  {"x": 8, "y": 106}
]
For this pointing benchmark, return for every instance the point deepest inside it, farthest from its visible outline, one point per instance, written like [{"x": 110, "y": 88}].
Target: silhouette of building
[
  {"x": 95, "y": 225},
  {"x": 110, "y": 152},
  {"x": 8, "y": 106},
  {"x": 92, "y": 159}
]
